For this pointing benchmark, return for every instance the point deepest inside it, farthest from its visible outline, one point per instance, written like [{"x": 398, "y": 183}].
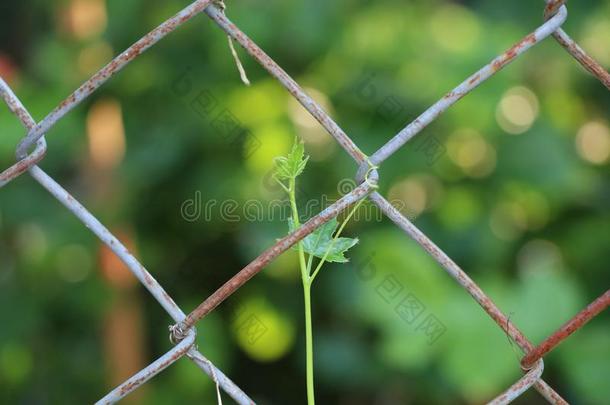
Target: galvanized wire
[{"x": 183, "y": 333}]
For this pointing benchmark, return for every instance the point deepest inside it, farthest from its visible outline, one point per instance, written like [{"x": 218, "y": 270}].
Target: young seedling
[{"x": 324, "y": 244}]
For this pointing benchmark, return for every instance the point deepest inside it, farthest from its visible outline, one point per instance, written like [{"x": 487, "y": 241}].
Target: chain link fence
[{"x": 183, "y": 333}]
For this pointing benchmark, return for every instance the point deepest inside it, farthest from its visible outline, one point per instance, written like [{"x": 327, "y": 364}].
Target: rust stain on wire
[
  {"x": 134, "y": 266},
  {"x": 520, "y": 386},
  {"x": 118, "y": 63},
  {"x": 149, "y": 372},
  {"x": 17, "y": 108},
  {"x": 552, "y": 8},
  {"x": 432, "y": 113},
  {"x": 590, "y": 64},
  {"x": 288, "y": 82},
  {"x": 584, "y": 316},
  {"x": 268, "y": 255}
]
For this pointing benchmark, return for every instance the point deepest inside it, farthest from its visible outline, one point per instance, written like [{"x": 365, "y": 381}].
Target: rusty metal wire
[{"x": 183, "y": 333}]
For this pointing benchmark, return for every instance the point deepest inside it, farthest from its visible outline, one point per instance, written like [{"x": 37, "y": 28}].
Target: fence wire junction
[{"x": 183, "y": 332}]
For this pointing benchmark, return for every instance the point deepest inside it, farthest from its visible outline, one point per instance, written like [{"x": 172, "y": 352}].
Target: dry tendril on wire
[{"x": 242, "y": 72}]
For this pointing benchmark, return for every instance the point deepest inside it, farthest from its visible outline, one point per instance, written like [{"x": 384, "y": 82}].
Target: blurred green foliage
[{"x": 520, "y": 200}]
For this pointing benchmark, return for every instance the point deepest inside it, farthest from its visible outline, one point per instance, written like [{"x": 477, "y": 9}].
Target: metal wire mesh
[{"x": 183, "y": 333}]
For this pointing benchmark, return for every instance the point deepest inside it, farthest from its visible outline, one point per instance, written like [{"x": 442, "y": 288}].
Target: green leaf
[
  {"x": 338, "y": 249},
  {"x": 320, "y": 241},
  {"x": 291, "y": 166}
]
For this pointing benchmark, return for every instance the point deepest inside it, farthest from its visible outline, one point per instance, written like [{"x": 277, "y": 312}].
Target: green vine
[{"x": 325, "y": 244}]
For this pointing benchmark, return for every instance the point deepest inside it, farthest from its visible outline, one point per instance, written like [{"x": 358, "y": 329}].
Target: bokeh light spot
[
  {"x": 106, "y": 134},
  {"x": 455, "y": 28},
  {"x": 472, "y": 153},
  {"x": 261, "y": 331},
  {"x": 416, "y": 194},
  {"x": 593, "y": 143},
  {"x": 539, "y": 254},
  {"x": 74, "y": 263},
  {"x": 319, "y": 143},
  {"x": 275, "y": 140},
  {"x": 85, "y": 18},
  {"x": 15, "y": 363},
  {"x": 32, "y": 242},
  {"x": 517, "y": 111}
]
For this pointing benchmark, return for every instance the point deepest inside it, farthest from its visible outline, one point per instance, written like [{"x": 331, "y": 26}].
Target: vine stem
[
  {"x": 309, "y": 344},
  {"x": 307, "y": 279},
  {"x": 306, "y": 296}
]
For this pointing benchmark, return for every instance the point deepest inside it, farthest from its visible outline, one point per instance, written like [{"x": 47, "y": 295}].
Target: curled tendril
[{"x": 372, "y": 168}]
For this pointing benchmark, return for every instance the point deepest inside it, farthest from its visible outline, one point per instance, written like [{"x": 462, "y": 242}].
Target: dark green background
[{"x": 533, "y": 232}]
